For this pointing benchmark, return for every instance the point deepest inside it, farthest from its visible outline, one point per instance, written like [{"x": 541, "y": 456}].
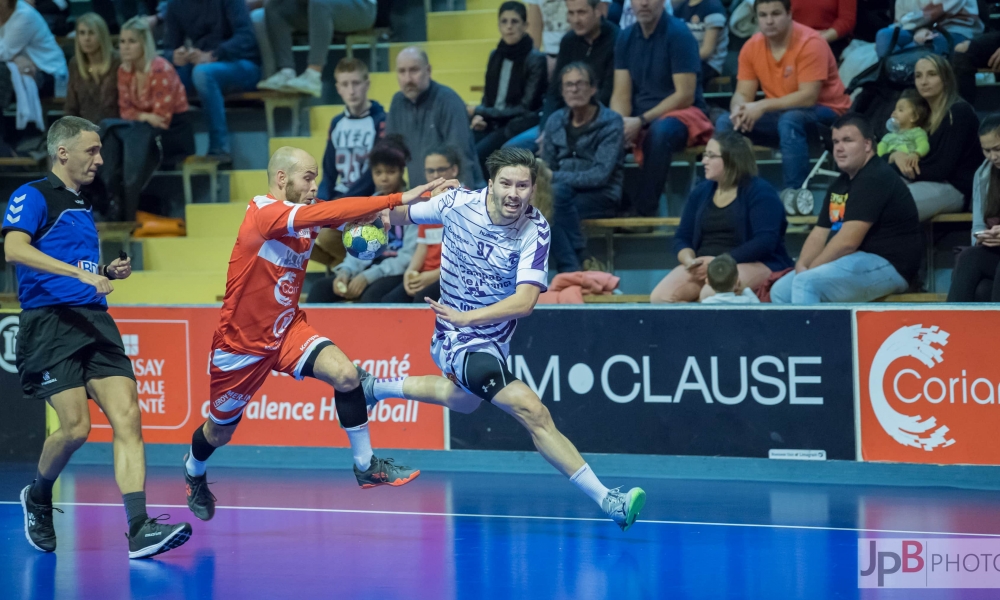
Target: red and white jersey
[{"x": 268, "y": 266}]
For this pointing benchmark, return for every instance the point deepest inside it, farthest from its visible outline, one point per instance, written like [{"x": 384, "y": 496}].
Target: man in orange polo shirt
[{"x": 795, "y": 68}]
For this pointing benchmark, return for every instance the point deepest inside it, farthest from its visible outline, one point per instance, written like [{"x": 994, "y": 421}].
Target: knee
[
  {"x": 562, "y": 195},
  {"x": 668, "y": 133},
  {"x": 724, "y": 123},
  {"x": 535, "y": 415},
  {"x": 341, "y": 374},
  {"x": 203, "y": 77},
  {"x": 76, "y": 431},
  {"x": 791, "y": 122},
  {"x": 218, "y": 435}
]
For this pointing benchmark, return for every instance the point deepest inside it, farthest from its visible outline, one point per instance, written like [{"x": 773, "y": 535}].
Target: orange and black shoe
[
  {"x": 384, "y": 471},
  {"x": 199, "y": 497}
]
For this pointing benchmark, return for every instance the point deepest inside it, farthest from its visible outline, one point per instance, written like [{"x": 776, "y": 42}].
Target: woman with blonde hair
[
  {"x": 151, "y": 97},
  {"x": 941, "y": 181},
  {"x": 92, "y": 92}
]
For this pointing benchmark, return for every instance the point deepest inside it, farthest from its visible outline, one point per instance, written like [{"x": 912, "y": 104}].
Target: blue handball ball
[{"x": 366, "y": 241}]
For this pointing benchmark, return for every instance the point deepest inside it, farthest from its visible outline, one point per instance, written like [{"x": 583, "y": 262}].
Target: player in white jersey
[{"x": 494, "y": 264}]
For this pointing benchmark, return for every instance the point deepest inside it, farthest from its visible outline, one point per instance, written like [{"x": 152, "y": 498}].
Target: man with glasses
[{"x": 584, "y": 148}]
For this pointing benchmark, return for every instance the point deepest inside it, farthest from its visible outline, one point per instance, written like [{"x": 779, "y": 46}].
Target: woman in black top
[
  {"x": 941, "y": 182},
  {"x": 516, "y": 79},
  {"x": 976, "y": 277}
]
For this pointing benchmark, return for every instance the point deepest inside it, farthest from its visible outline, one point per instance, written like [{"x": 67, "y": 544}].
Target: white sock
[
  {"x": 195, "y": 468},
  {"x": 361, "y": 445},
  {"x": 389, "y": 388},
  {"x": 587, "y": 481}
]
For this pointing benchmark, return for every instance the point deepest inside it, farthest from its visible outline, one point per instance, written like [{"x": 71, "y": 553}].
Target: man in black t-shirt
[{"x": 867, "y": 241}]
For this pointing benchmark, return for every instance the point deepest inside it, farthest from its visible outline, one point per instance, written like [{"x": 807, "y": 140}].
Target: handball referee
[{"x": 68, "y": 347}]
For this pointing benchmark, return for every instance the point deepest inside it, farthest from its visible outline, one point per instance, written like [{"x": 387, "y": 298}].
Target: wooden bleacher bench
[
  {"x": 9, "y": 301},
  {"x": 273, "y": 100},
  {"x": 368, "y": 38},
  {"x": 20, "y": 162}
]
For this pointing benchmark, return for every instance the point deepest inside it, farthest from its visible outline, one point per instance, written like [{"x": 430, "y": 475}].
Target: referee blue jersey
[{"x": 61, "y": 225}]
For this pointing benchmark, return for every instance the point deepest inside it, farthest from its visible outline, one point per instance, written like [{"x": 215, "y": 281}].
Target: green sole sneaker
[{"x": 624, "y": 508}]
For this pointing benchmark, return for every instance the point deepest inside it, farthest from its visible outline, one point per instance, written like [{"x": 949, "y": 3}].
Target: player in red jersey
[{"x": 262, "y": 329}]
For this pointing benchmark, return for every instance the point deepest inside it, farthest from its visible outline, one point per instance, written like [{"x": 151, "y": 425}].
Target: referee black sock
[
  {"x": 41, "y": 489},
  {"x": 135, "y": 511}
]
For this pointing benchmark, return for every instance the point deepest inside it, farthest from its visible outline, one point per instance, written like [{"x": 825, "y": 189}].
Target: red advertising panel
[
  {"x": 169, "y": 349},
  {"x": 928, "y": 386}
]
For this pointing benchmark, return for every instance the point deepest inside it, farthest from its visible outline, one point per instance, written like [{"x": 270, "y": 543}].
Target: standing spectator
[
  {"x": 583, "y": 148},
  {"x": 834, "y": 20},
  {"x": 92, "y": 92},
  {"x": 592, "y": 40},
  {"x": 25, "y": 41},
  {"x": 222, "y": 58},
  {"x": 352, "y": 135},
  {"x": 150, "y": 96},
  {"x": 802, "y": 89},
  {"x": 976, "y": 277},
  {"x": 368, "y": 281},
  {"x": 707, "y": 20},
  {"x": 319, "y": 18},
  {"x": 516, "y": 78},
  {"x": 658, "y": 92},
  {"x": 724, "y": 278},
  {"x": 427, "y": 114},
  {"x": 921, "y": 23},
  {"x": 867, "y": 243},
  {"x": 547, "y": 25},
  {"x": 733, "y": 212},
  {"x": 942, "y": 181},
  {"x": 422, "y": 278}
]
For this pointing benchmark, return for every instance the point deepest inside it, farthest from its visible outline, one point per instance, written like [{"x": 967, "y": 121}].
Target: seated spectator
[
  {"x": 422, "y": 278},
  {"x": 627, "y": 18},
  {"x": 28, "y": 45},
  {"x": 976, "y": 277},
  {"x": 707, "y": 20},
  {"x": 319, "y": 18},
  {"x": 734, "y": 212},
  {"x": 658, "y": 92},
  {"x": 907, "y": 133},
  {"x": 724, "y": 278},
  {"x": 981, "y": 52},
  {"x": 592, "y": 40},
  {"x": 368, "y": 281},
  {"x": 583, "y": 148},
  {"x": 924, "y": 22},
  {"x": 151, "y": 97},
  {"x": 516, "y": 79},
  {"x": 352, "y": 135},
  {"x": 427, "y": 114},
  {"x": 942, "y": 181},
  {"x": 867, "y": 243},
  {"x": 92, "y": 92},
  {"x": 802, "y": 89},
  {"x": 222, "y": 59},
  {"x": 833, "y": 20},
  {"x": 547, "y": 24}
]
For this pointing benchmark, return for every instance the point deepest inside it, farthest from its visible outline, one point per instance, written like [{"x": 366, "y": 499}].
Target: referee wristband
[{"x": 107, "y": 274}]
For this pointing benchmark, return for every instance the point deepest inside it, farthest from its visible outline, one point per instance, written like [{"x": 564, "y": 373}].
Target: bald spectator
[{"x": 427, "y": 115}]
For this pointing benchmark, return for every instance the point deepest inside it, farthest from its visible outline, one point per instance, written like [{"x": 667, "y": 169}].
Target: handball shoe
[
  {"x": 156, "y": 538},
  {"x": 384, "y": 472},
  {"x": 624, "y": 508},
  {"x": 368, "y": 387},
  {"x": 38, "y": 523},
  {"x": 200, "y": 499}
]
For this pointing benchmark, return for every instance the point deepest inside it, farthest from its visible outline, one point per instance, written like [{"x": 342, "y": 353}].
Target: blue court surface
[{"x": 316, "y": 534}]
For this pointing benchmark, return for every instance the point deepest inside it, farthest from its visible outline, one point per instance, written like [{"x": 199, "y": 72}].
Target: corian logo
[
  {"x": 8, "y": 343},
  {"x": 926, "y": 345},
  {"x": 285, "y": 290}
]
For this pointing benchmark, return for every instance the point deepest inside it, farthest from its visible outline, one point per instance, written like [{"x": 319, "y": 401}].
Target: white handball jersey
[{"x": 483, "y": 263}]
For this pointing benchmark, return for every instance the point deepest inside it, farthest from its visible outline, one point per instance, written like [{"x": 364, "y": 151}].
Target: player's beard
[{"x": 498, "y": 206}]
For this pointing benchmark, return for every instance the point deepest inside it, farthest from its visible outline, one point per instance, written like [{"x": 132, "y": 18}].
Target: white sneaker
[
  {"x": 624, "y": 508},
  {"x": 309, "y": 82},
  {"x": 277, "y": 81}
]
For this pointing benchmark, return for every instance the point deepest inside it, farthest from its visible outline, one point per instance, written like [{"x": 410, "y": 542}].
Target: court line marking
[{"x": 535, "y": 517}]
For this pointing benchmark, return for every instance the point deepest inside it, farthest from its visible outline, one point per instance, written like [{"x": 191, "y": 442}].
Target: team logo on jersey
[
  {"x": 89, "y": 266},
  {"x": 8, "y": 343},
  {"x": 285, "y": 291},
  {"x": 283, "y": 321},
  {"x": 281, "y": 255}
]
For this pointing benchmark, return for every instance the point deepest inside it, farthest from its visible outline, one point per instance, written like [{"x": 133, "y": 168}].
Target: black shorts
[
  {"x": 486, "y": 375},
  {"x": 63, "y": 347}
]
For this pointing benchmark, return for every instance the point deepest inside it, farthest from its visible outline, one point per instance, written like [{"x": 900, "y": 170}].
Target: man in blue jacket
[
  {"x": 352, "y": 135},
  {"x": 584, "y": 148},
  {"x": 222, "y": 58}
]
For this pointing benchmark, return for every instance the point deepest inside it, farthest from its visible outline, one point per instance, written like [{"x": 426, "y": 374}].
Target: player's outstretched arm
[
  {"x": 425, "y": 201},
  {"x": 516, "y": 306}
]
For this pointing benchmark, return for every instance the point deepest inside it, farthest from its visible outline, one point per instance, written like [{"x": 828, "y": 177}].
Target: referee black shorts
[{"x": 63, "y": 347}]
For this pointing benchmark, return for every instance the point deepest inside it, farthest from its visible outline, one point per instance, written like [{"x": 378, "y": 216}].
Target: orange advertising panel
[
  {"x": 929, "y": 386},
  {"x": 169, "y": 350}
]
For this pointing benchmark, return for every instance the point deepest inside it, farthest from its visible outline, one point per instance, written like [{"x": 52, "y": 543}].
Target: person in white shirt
[{"x": 724, "y": 278}]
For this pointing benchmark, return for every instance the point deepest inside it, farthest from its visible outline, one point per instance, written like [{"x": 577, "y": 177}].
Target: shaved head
[
  {"x": 291, "y": 175},
  {"x": 288, "y": 160},
  {"x": 414, "y": 52}
]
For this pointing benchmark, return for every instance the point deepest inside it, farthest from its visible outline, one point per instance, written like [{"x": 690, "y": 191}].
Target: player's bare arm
[{"x": 517, "y": 306}]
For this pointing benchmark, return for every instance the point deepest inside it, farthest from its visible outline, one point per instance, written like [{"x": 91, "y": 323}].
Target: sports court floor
[{"x": 316, "y": 534}]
